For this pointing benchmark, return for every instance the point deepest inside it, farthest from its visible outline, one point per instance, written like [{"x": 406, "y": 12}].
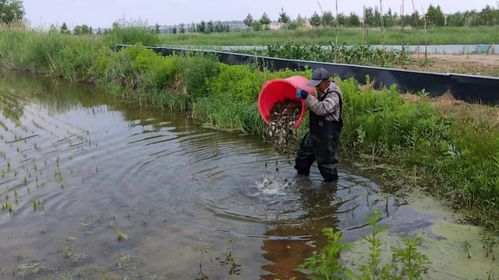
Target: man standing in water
[{"x": 321, "y": 142}]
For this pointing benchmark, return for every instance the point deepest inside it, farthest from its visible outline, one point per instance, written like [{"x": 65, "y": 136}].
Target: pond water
[{"x": 80, "y": 170}]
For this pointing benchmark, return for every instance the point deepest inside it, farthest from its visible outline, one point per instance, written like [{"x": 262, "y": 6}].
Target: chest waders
[{"x": 320, "y": 144}]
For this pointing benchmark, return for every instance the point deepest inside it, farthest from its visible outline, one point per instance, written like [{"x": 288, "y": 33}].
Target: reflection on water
[{"x": 77, "y": 167}]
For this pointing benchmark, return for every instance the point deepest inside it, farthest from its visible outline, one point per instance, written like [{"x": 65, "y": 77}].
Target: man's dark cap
[{"x": 319, "y": 75}]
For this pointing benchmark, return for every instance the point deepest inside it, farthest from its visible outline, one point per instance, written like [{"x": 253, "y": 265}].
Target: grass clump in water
[
  {"x": 120, "y": 235},
  {"x": 407, "y": 262}
]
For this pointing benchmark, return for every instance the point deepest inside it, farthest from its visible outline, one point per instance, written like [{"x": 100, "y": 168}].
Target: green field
[{"x": 371, "y": 36}]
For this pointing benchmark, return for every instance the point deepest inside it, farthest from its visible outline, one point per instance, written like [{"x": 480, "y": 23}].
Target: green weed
[
  {"x": 407, "y": 262},
  {"x": 489, "y": 242},
  {"x": 325, "y": 264},
  {"x": 120, "y": 235},
  {"x": 354, "y": 54}
]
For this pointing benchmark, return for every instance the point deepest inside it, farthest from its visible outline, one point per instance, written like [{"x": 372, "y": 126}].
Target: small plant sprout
[
  {"x": 488, "y": 242},
  {"x": 467, "y": 245},
  {"x": 37, "y": 204},
  {"x": 7, "y": 206},
  {"x": 120, "y": 235},
  {"x": 58, "y": 178}
]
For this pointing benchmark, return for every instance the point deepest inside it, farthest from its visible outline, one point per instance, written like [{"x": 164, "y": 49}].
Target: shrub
[
  {"x": 195, "y": 73},
  {"x": 74, "y": 61},
  {"x": 130, "y": 36}
]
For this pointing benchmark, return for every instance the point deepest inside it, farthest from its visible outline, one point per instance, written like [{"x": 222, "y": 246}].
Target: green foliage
[
  {"x": 248, "y": 21},
  {"x": 220, "y": 113},
  {"x": 372, "y": 269},
  {"x": 407, "y": 262},
  {"x": 196, "y": 72},
  {"x": 265, "y": 20},
  {"x": 466, "y": 246},
  {"x": 356, "y": 54},
  {"x": 131, "y": 35},
  {"x": 435, "y": 16},
  {"x": 417, "y": 135},
  {"x": 11, "y": 11},
  {"x": 13, "y": 45},
  {"x": 236, "y": 83},
  {"x": 346, "y": 36},
  {"x": 74, "y": 60},
  {"x": 43, "y": 48},
  {"x": 82, "y": 30},
  {"x": 120, "y": 235},
  {"x": 325, "y": 264},
  {"x": 489, "y": 242}
]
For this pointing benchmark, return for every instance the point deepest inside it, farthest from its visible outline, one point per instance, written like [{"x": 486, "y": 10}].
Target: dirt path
[{"x": 475, "y": 64}]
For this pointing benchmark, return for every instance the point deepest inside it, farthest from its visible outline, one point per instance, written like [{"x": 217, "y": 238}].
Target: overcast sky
[{"x": 102, "y": 13}]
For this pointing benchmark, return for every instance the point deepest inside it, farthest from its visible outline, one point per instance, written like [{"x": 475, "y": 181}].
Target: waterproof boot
[{"x": 332, "y": 176}]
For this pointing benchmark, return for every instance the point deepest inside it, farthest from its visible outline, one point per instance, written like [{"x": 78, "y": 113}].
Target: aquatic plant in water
[
  {"x": 407, "y": 262},
  {"x": 466, "y": 246},
  {"x": 489, "y": 242}
]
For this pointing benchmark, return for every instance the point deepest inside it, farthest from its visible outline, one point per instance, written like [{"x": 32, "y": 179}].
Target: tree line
[
  {"x": 12, "y": 11},
  {"x": 372, "y": 17}
]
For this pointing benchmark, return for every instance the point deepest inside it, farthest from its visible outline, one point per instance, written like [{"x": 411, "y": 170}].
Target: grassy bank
[
  {"x": 371, "y": 36},
  {"x": 450, "y": 150}
]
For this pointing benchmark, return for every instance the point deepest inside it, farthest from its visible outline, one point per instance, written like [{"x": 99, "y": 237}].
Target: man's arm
[{"x": 325, "y": 107}]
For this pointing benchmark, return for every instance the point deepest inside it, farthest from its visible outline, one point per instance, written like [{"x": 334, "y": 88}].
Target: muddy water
[{"x": 78, "y": 169}]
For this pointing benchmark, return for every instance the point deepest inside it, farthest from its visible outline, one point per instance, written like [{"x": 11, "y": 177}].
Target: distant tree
[
  {"x": 86, "y": 29},
  {"x": 248, "y": 20},
  {"x": 435, "y": 16},
  {"x": 342, "y": 19},
  {"x": 201, "y": 27},
  {"x": 353, "y": 20},
  {"x": 407, "y": 20},
  {"x": 11, "y": 11},
  {"x": 257, "y": 25},
  {"x": 192, "y": 28},
  {"x": 209, "y": 27},
  {"x": 390, "y": 18},
  {"x": 156, "y": 28},
  {"x": 53, "y": 29},
  {"x": 77, "y": 30},
  {"x": 64, "y": 29},
  {"x": 99, "y": 31},
  {"x": 488, "y": 16},
  {"x": 300, "y": 21},
  {"x": 327, "y": 19},
  {"x": 456, "y": 19},
  {"x": 181, "y": 28},
  {"x": 369, "y": 16},
  {"x": 415, "y": 19},
  {"x": 174, "y": 29},
  {"x": 315, "y": 20},
  {"x": 265, "y": 20},
  {"x": 283, "y": 17},
  {"x": 82, "y": 30}
]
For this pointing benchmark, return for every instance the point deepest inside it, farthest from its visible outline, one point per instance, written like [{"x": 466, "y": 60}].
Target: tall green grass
[
  {"x": 452, "y": 155},
  {"x": 371, "y": 36}
]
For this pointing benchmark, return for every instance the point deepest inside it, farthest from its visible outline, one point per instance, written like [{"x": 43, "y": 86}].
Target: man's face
[{"x": 322, "y": 86}]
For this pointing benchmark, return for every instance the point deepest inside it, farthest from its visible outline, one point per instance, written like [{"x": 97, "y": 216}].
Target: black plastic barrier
[{"x": 472, "y": 89}]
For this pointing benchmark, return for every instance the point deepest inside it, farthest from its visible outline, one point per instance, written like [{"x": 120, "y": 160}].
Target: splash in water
[{"x": 273, "y": 186}]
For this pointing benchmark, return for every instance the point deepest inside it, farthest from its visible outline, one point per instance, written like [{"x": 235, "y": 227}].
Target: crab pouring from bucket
[{"x": 279, "y": 90}]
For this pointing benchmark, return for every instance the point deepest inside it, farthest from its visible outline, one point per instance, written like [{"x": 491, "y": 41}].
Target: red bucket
[{"x": 278, "y": 90}]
